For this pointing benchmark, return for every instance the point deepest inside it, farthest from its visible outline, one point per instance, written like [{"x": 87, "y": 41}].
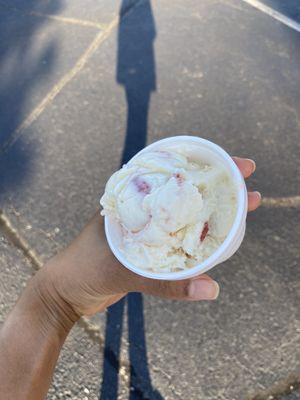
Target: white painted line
[
  {"x": 67, "y": 20},
  {"x": 57, "y": 88},
  {"x": 274, "y": 14}
]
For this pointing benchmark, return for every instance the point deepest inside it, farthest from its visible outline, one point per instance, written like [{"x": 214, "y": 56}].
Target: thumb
[{"x": 199, "y": 288}]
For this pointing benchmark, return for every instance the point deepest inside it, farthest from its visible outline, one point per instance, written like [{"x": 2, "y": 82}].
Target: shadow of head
[
  {"x": 135, "y": 58},
  {"x": 136, "y": 70}
]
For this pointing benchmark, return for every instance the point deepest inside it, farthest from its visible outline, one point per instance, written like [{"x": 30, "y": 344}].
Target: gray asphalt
[{"x": 221, "y": 70}]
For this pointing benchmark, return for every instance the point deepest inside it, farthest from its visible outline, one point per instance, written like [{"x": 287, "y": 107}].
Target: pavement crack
[
  {"x": 55, "y": 17},
  {"x": 277, "y": 391},
  {"x": 67, "y": 20},
  {"x": 19, "y": 242},
  {"x": 93, "y": 332},
  {"x": 79, "y": 65},
  {"x": 281, "y": 202}
]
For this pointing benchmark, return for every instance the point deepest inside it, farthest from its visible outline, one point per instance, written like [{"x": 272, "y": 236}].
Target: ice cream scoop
[{"x": 174, "y": 209}]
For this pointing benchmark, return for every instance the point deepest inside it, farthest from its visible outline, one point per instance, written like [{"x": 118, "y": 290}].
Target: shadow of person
[{"x": 136, "y": 72}]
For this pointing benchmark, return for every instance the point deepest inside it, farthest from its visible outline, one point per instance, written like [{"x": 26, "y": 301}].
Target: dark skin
[{"x": 83, "y": 279}]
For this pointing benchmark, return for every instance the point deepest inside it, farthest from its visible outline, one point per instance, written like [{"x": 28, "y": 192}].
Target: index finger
[{"x": 245, "y": 165}]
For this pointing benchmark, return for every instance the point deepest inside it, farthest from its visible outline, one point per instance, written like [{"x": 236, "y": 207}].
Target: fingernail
[
  {"x": 203, "y": 289},
  {"x": 253, "y": 164},
  {"x": 258, "y": 193}
]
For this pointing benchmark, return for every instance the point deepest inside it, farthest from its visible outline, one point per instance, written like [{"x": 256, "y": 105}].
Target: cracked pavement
[{"x": 222, "y": 70}]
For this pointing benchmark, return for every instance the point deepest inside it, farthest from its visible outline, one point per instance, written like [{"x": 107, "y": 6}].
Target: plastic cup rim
[{"x": 212, "y": 260}]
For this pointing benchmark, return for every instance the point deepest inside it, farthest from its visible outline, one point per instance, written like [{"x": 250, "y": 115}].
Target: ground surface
[{"x": 220, "y": 69}]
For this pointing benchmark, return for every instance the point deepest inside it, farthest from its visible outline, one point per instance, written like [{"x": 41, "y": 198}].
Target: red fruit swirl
[{"x": 204, "y": 232}]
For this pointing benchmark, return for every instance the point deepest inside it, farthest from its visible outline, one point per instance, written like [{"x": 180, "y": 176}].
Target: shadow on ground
[
  {"x": 136, "y": 72},
  {"x": 22, "y": 66}
]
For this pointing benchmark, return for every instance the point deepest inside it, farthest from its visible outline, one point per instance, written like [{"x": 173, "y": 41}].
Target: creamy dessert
[{"x": 174, "y": 211}]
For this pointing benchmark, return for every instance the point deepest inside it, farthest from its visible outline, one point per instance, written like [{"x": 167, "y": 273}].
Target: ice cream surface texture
[{"x": 174, "y": 211}]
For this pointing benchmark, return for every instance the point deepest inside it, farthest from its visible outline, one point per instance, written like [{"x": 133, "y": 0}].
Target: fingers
[
  {"x": 203, "y": 289},
  {"x": 254, "y": 200},
  {"x": 245, "y": 165},
  {"x": 200, "y": 288}
]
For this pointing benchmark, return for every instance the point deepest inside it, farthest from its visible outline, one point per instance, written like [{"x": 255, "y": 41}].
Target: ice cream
[{"x": 174, "y": 211}]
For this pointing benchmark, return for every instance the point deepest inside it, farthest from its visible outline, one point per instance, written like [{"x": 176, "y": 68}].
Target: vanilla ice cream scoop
[{"x": 174, "y": 211}]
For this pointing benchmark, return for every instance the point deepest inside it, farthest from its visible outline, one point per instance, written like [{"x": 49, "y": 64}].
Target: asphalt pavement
[{"x": 80, "y": 92}]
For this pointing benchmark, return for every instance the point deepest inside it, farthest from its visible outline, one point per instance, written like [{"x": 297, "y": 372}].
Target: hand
[{"x": 87, "y": 278}]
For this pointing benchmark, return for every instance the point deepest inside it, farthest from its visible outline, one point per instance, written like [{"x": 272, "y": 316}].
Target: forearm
[
  {"x": 63, "y": 290},
  {"x": 83, "y": 279},
  {"x": 30, "y": 341}
]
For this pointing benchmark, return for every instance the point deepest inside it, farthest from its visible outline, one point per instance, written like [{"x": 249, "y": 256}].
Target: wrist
[
  {"x": 53, "y": 311},
  {"x": 31, "y": 339}
]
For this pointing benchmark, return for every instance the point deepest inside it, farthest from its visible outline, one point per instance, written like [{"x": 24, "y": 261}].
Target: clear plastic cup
[{"x": 204, "y": 150}]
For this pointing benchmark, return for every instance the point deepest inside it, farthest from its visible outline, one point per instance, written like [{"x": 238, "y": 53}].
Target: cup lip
[{"x": 240, "y": 217}]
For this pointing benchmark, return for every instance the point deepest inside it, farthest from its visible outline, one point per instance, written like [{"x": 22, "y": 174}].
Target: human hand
[{"x": 87, "y": 278}]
